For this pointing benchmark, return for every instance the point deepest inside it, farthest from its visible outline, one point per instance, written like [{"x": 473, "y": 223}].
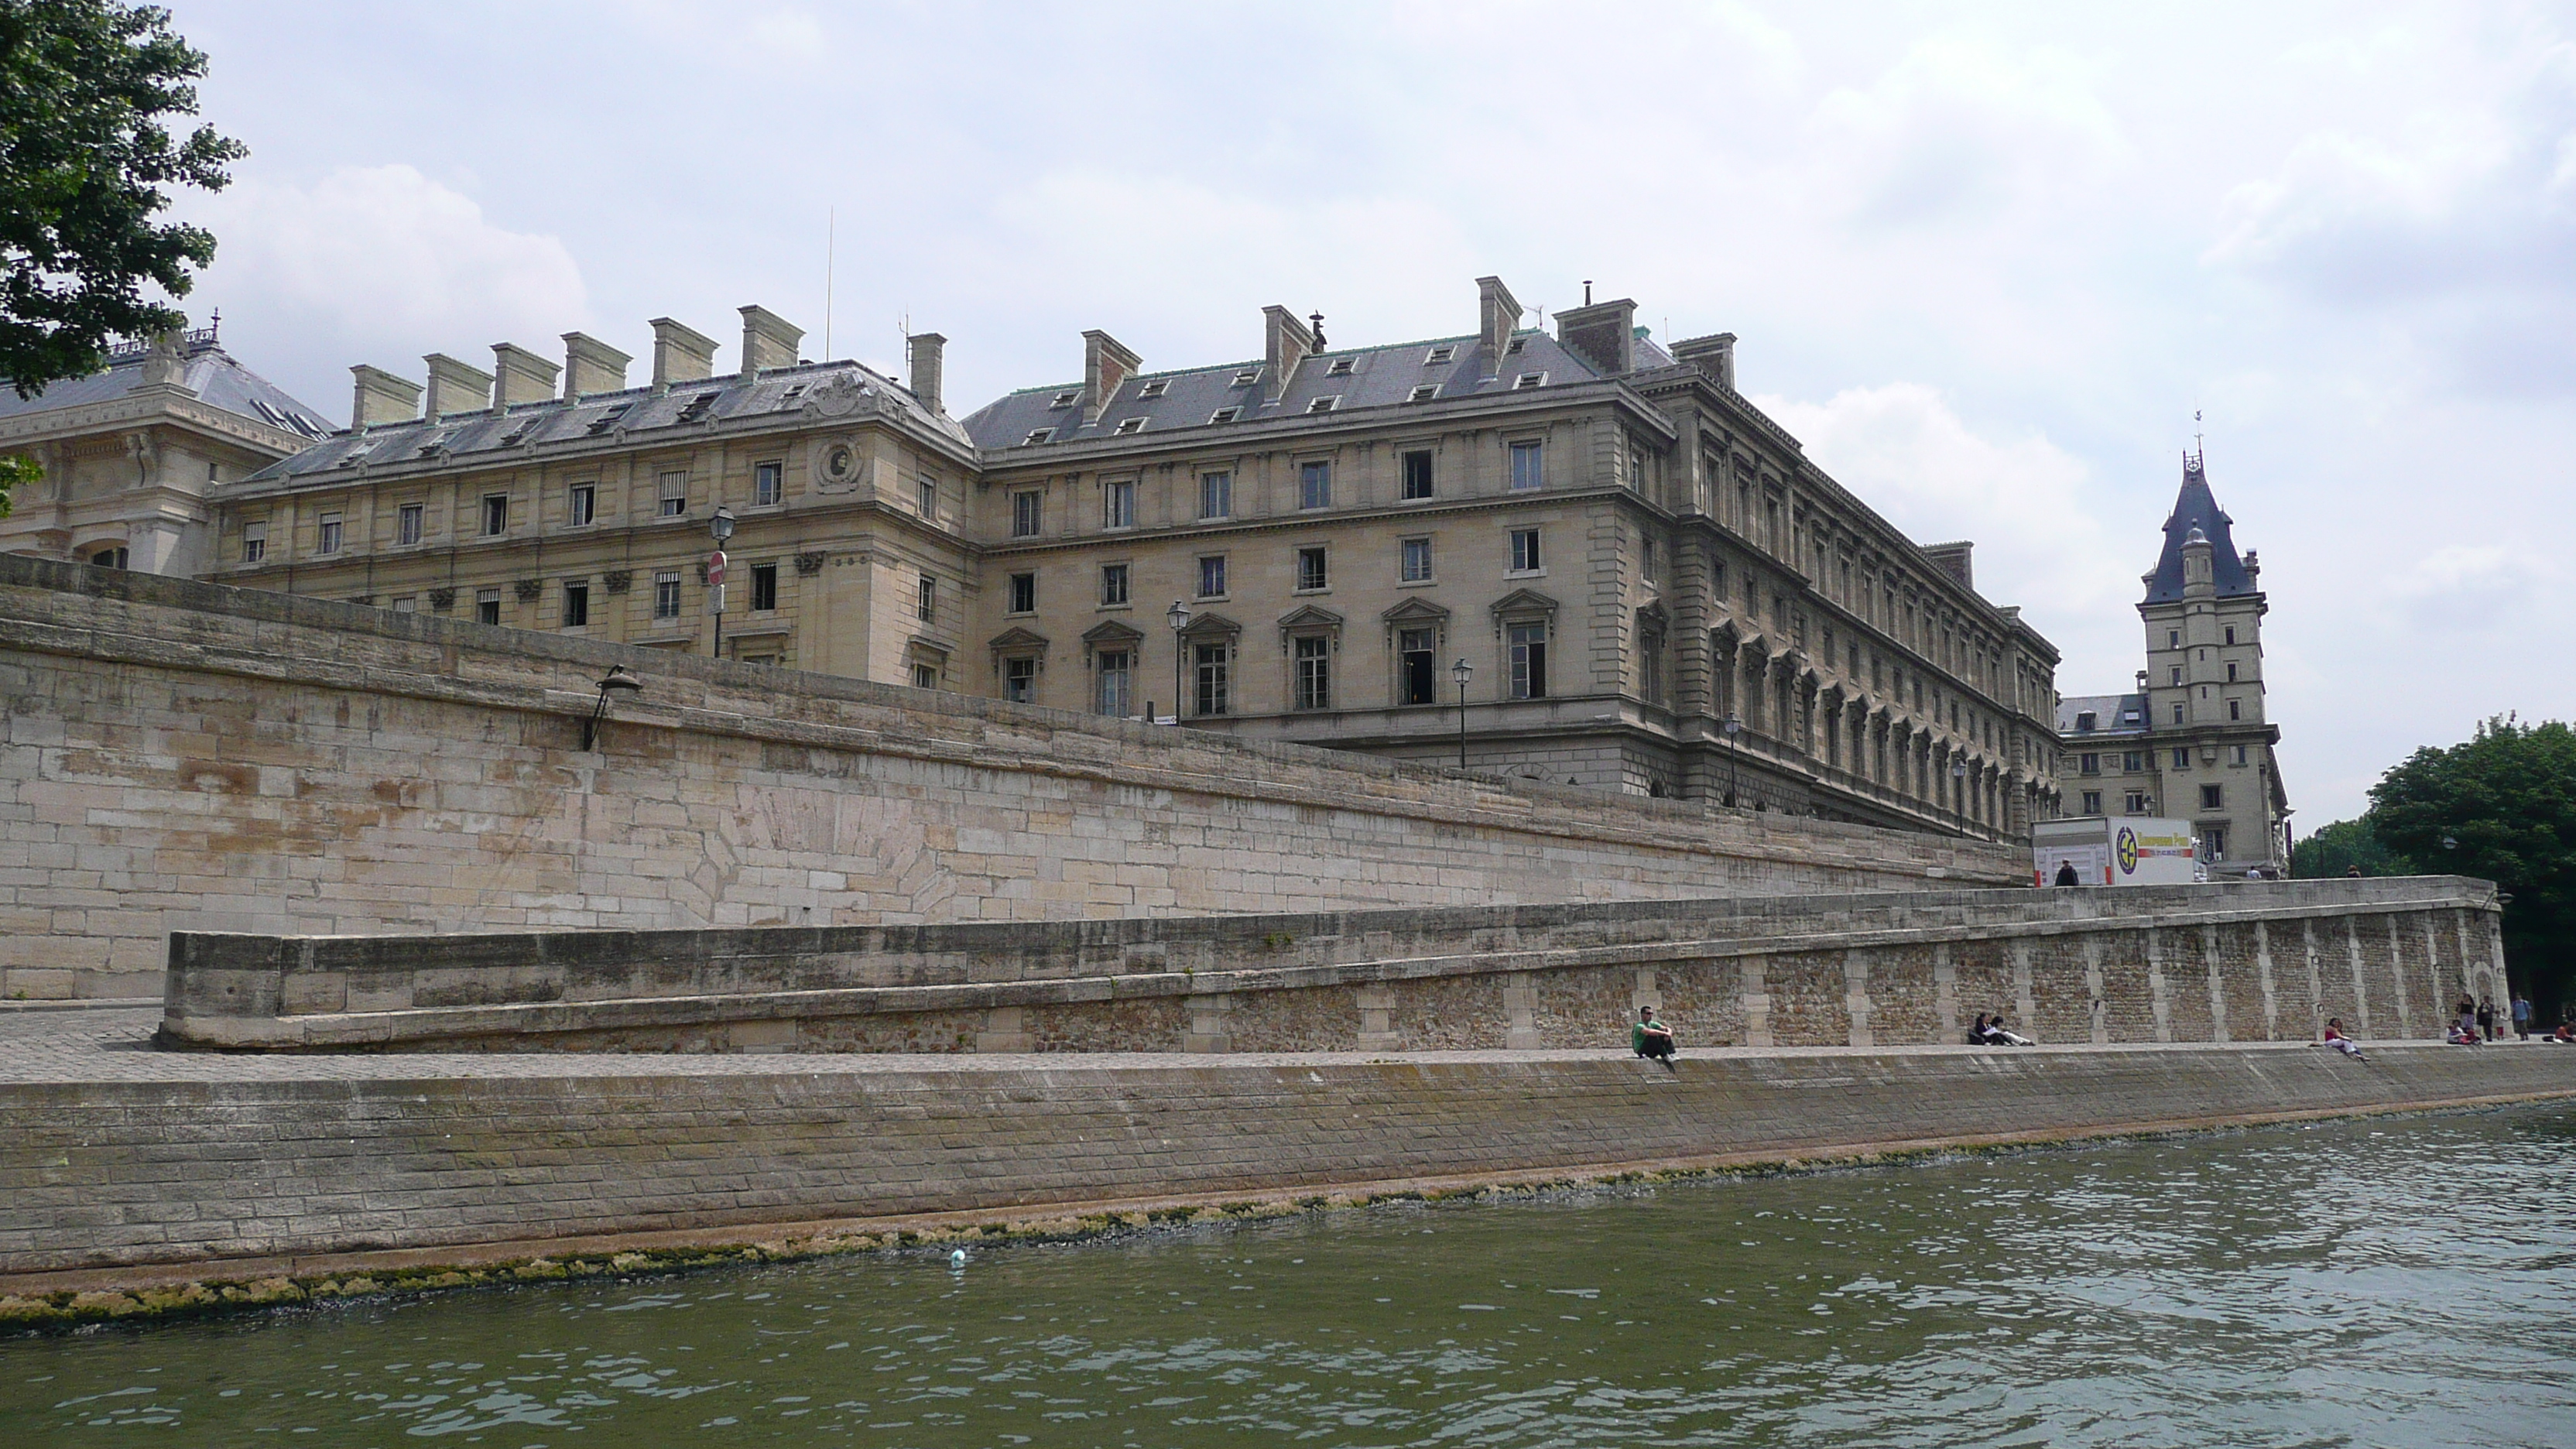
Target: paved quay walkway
[{"x": 114, "y": 1044}]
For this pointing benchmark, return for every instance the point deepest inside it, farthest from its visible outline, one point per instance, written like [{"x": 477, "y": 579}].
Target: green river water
[{"x": 2394, "y": 1281}]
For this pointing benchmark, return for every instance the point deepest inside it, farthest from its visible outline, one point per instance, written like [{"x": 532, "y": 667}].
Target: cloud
[{"x": 2462, "y": 585}]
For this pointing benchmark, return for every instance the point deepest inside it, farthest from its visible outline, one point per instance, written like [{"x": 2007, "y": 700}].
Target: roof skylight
[
  {"x": 1324, "y": 404},
  {"x": 1445, "y": 352},
  {"x": 1131, "y": 425},
  {"x": 1065, "y": 399},
  {"x": 1424, "y": 392},
  {"x": 1156, "y": 388},
  {"x": 1038, "y": 436},
  {"x": 1528, "y": 379},
  {"x": 1247, "y": 377},
  {"x": 1225, "y": 415},
  {"x": 1341, "y": 367}
]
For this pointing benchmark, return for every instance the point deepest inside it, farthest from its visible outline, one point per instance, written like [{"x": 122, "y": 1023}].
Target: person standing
[
  {"x": 2486, "y": 1017},
  {"x": 2521, "y": 1017}
]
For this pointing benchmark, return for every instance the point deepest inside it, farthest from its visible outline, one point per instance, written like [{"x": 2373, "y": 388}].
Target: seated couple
[{"x": 1989, "y": 1031}]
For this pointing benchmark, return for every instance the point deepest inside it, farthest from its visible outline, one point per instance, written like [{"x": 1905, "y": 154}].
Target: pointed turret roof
[{"x": 2196, "y": 509}]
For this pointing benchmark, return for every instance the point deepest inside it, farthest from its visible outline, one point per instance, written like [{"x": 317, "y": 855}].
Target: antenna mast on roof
[
  {"x": 831, "y": 236},
  {"x": 2197, "y": 451}
]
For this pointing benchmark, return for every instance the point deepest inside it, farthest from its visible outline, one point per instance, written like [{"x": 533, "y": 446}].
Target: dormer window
[
  {"x": 1341, "y": 367},
  {"x": 1038, "y": 436},
  {"x": 1065, "y": 399},
  {"x": 2084, "y": 723},
  {"x": 1528, "y": 379},
  {"x": 1445, "y": 352},
  {"x": 1517, "y": 344},
  {"x": 1324, "y": 404},
  {"x": 1131, "y": 425},
  {"x": 1225, "y": 415},
  {"x": 1424, "y": 392},
  {"x": 1156, "y": 388},
  {"x": 1247, "y": 377}
]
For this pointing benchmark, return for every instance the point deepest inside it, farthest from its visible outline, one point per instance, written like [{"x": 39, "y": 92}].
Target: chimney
[
  {"x": 382, "y": 398},
  {"x": 1603, "y": 334},
  {"x": 680, "y": 353},
  {"x": 1496, "y": 315},
  {"x": 591, "y": 365},
  {"x": 2253, "y": 568},
  {"x": 1953, "y": 559},
  {"x": 1285, "y": 342},
  {"x": 768, "y": 340},
  {"x": 1106, "y": 363},
  {"x": 519, "y": 376},
  {"x": 923, "y": 354},
  {"x": 455, "y": 387},
  {"x": 1712, "y": 355}
]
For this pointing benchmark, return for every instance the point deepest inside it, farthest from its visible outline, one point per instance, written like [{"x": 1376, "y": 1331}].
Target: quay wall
[
  {"x": 2254, "y": 961},
  {"x": 186, "y": 756},
  {"x": 464, "y": 1160}
]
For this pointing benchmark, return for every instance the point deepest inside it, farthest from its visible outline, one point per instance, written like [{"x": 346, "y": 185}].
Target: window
[
  {"x": 764, "y": 587},
  {"x": 925, "y": 599},
  {"x": 2182, "y": 757},
  {"x": 1247, "y": 377},
  {"x": 1212, "y": 577},
  {"x": 2089, "y": 764},
  {"x": 1216, "y": 495},
  {"x": 768, "y": 483},
  {"x": 1129, "y": 426},
  {"x": 1113, "y": 691},
  {"x": 2212, "y": 797},
  {"x": 407, "y": 603},
  {"x": 1314, "y": 485},
  {"x": 925, "y": 676},
  {"x": 2236, "y": 709},
  {"x": 2135, "y": 803},
  {"x": 1156, "y": 388},
  {"x": 1445, "y": 352},
  {"x": 1064, "y": 399},
  {"x": 1514, "y": 350},
  {"x": 2173, "y": 638},
  {"x": 327, "y": 535},
  {"x": 1528, "y": 644},
  {"x": 1224, "y": 415},
  {"x": 1646, "y": 571},
  {"x": 2231, "y": 674},
  {"x": 925, "y": 497},
  {"x": 2084, "y": 721},
  {"x": 1020, "y": 679},
  {"x": 496, "y": 514},
  {"x": 2240, "y": 754},
  {"x": 1423, "y": 392},
  {"x": 1024, "y": 594},
  {"x": 1525, "y": 555},
  {"x": 675, "y": 494},
  {"x": 1210, "y": 661},
  {"x": 1341, "y": 367},
  {"x": 2177, "y": 676},
  {"x": 1650, "y": 667},
  {"x": 1417, "y": 474},
  {"x": 1314, "y": 672},
  {"x": 1528, "y": 379},
  {"x": 2213, "y": 843},
  {"x": 666, "y": 594},
  {"x": 1310, "y": 569},
  {"x": 2231, "y": 634},
  {"x": 576, "y": 606},
  {"x": 1324, "y": 404},
  {"x": 111, "y": 558},
  {"x": 407, "y": 523},
  {"x": 582, "y": 505},
  {"x": 1026, "y": 516},
  {"x": 487, "y": 607},
  {"x": 1118, "y": 504},
  {"x": 1417, "y": 666},
  {"x": 2092, "y": 802},
  {"x": 2177, "y": 712},
  {"x": 2133, "y": 761},
  {"x": 1113, "y": 585},
  {"x": 1036, "y": 436},
  {"x": 1528, "y": 470},
  {"x": 1415, "y": 565}
]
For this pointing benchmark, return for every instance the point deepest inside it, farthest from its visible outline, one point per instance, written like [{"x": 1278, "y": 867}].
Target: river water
[{"x": 2397, "y": 1281}]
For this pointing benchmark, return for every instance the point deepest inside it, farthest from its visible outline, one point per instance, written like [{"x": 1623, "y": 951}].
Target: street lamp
[
  {"x": 622, "y": 682},
  {"x": 720, "y": 528},
  {"x": 1958, "y": 799},
  {"x": 1730, "y": 729},
  {"x": 1462, "y": 671},
  {"x": 1178, "y": 616}
]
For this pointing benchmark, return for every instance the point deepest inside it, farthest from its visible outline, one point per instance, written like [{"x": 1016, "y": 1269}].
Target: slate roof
[
  {"x": 2197, "y": 508},
  {"x": 2113, "y": 714},
  {"x": 1379, "y": 377},
  {"x": 779, "y": 392},
  {"x": 212, "y": 374}
]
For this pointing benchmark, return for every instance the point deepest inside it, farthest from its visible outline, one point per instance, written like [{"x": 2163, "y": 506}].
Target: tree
[
  {"x": 2335, "y": 849},
  {"x": 2501, "y": 807},
  {"x": 85, "y": 86}
]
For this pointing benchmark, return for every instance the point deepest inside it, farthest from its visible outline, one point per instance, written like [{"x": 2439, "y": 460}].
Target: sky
[{"x": 1988, "y": 262}]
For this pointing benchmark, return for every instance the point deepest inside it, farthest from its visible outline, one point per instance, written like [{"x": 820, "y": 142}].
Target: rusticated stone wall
[{"x": 182, "y": 756}]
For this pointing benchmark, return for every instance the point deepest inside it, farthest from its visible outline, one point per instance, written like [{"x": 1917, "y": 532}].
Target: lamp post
[
  {"x": 1462, "y": 671},
  {"x": 1730, "y": 729},
  {"x": 1958, "y": 796},
  {"x": 1178, "y": 616},
  {"x": 622, "y": 682},
  {"x": 720, "y": 528}
]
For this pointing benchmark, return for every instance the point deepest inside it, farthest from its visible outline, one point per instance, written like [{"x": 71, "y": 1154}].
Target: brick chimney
[
  {"x": 1602, "y": 333},
  {"x": 1714, "y": 356},
  {"x": 768, "y": 340},
  {"x": 1497, "y": 314},
  {"x": 1106, "y": 363},
  {"x": 1285, "y": 342},
  {"x": 680, "y": 353},
  {"x": 591, "y": 365},
  {"x": 520, "y": 376},
  {"x": 1954, "y": 559},
  {"x": 924, "y": 353},
  {"x": 455, "y": 387},
  {"x": 382, "y": 398}
]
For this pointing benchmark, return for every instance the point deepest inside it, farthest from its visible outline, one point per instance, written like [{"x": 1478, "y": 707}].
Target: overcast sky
[{"x": 1985, "y": 261}]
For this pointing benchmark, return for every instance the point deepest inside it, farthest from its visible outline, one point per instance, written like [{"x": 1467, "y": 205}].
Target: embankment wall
[
  {"x": 184, "y": 756},
  {"x": 96, "y": 1174},
  {"x": 2267, "y": 961}
]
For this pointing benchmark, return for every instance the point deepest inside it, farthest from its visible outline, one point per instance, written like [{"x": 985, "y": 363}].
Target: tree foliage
[
  {"x": 86, "y": 90},
  {"x": 2338, "y": 849}
]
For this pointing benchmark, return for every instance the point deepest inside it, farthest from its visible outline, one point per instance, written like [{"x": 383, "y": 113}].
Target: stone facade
[
  {"x": 178, "y": 755},
  {"x": 1624, "y": 553},
  {"x": 2191, "y": 742}
]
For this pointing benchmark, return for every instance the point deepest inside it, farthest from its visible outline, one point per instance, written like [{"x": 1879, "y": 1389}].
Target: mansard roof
[
  {"x": 208, "y": 371},
  {"x": 2196, "y": 507},
  {"x": 2113, "y": 714}
]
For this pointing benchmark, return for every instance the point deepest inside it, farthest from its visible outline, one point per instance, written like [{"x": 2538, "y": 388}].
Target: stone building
[
  {"x": 129, "y": 453},
  {"x": 2191, "y": 741},
  {"x": 1623, "y": 552}
]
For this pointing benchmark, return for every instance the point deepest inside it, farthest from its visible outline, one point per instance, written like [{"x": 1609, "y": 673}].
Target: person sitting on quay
[
  {"x": 1651, "y": 1038},
  {"x": 1996, "y": 1034},
  {"x": 1978, "y": 1034},
  {"x": 2564, "y": 1036},
  {"x": 2464, "y": 1033},
  {"x": 2344, "y": 1044}
]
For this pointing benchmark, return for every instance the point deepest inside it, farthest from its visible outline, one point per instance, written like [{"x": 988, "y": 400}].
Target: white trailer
[{"x": 2129, "y": 850}]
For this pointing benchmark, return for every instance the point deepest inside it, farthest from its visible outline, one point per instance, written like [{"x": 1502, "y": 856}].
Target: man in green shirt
[{"x": 1651, "y": 1038}]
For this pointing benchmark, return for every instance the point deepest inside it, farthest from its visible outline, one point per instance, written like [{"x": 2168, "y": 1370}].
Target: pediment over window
[
  {"x": 1019, "y": 641},
  {"x": 1111, "y": 635},
  {"x": 1309, "y": 617},
  {"x": 1211, "y": 626},
  {"x": 1523, "y": 601},
  {"x": 1652, "y": 617},
  {"x": 1416, "y": 611}
]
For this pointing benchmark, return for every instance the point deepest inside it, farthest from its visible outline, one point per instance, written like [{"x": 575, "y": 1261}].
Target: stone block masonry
[
  {"x": 183, "y": 756},
  {"x": 2240, "y": 962}
]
